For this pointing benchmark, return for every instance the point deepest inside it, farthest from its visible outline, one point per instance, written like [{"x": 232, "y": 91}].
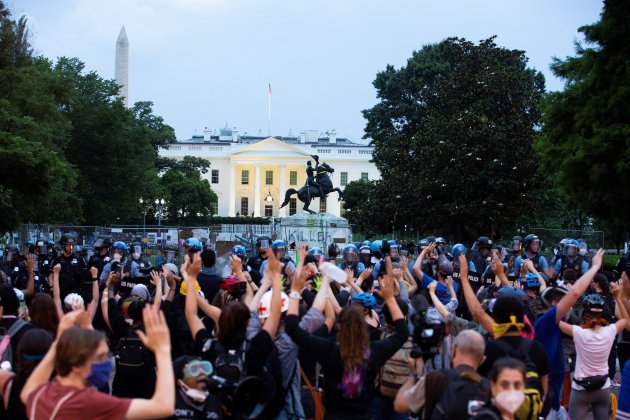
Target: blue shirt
[
  {"x": 441, "y": 291},
  {"x": 549, "y": 335},
  {"x": 135, "y": 271},
  {"x": 542, "y": 265}
]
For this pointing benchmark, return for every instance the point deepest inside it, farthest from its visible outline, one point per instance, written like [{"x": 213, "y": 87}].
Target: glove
[
  {"x": 385, "y": 248},
  {"x": 332, "y": 251}
]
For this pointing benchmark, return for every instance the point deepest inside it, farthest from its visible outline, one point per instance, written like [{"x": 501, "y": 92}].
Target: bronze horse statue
[{"x": 307, "y": 193}]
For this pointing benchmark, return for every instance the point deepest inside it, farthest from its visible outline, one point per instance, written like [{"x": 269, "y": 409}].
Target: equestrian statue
[{"x": 318, "y": 184}]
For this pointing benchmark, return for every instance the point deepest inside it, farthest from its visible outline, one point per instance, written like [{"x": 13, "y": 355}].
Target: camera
[
  {"x": 116, "y": 267},
  {"x": 243, "y": 399},
  {"x": 428, "y": 332}
]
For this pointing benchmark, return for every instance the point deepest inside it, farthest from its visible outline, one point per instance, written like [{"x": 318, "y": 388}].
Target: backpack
[
  {"x": 133, "y": 360},
  {"x": 6, "y": 351},
  {"x": 230, "y": 364},
  {"x": 394, "y": 373},
  {"x": 465, "y": 394},
  {"x": 533, "y": 404}
]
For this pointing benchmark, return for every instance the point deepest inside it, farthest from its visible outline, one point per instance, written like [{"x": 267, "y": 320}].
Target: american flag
[{"x": 270, "y": 88}]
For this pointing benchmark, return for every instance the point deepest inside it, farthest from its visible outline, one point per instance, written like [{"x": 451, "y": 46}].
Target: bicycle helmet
[
  {"x": 238, "y": 250},
  {"x": 531, "y": 281},
  {"x": 593, "y": 306},
  {"x": 234, "y": 285},
  {"x": 365, "y": 299},
  {"x": 512, "y": 291}
]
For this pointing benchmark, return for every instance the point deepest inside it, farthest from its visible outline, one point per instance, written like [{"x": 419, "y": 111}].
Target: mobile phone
[{"x": 404, "y": 252}]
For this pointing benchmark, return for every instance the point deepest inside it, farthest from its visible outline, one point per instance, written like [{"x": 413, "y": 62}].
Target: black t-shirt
[
  {"x": 209, "y": 284},
  {"x": 185, "y": 409},
  {"x": 494, "y": 352},
  {"x": 255, "y": 357}
]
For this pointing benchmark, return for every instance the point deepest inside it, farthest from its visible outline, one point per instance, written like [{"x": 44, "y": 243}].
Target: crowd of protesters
[{"x": 375, "y": 330}]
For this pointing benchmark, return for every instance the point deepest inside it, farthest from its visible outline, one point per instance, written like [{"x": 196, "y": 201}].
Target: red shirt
[{"x": 74, "y": 403}]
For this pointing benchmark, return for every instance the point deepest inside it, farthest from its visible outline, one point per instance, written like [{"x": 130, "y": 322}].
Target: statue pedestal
[{"x": 319, "y": 230}]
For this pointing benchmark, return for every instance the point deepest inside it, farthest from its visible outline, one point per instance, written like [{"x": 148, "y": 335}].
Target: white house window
[
  {"x": 322, "y": 205},
  {"x": 268, "y": 177},
  {"x": 215, "y": 148},
  {"x": 365, "y": 152},
  {"x": 175, "y": 148},
  {"x": 344, "y": 179},
  {"x": 292, "y": 207},
  {"x": 344, "y": 151},
  {"x": 293, "y": 178},
  {"x": 323, "y": 151},
  {"x": 244, "y": 206},
  {"x": 245, "y": 177},
  {"x": 364, "y": 176},
  {"x": 194, "y": 148},
  {"x": 215, "y": 176},
  {"x": 268, "y": 210}
]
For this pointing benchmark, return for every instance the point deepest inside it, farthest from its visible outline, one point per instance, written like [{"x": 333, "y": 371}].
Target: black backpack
[
  {"x": 465, "y": 394},
  {"x": 133, "y": 360},
  {"x": 532, "y": 407}
]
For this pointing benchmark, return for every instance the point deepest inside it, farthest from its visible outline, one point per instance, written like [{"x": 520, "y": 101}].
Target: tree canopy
[
  {"x": 453, "y": 135},
  {"x": 585, "y": 140}
]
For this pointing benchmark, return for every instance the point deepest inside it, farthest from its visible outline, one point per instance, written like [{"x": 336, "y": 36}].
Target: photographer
[{"x": 422, "y": 394}]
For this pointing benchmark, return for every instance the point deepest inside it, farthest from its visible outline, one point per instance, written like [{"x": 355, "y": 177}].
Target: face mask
[
  {"x": 583, "y": 252},
  {"x": 193, "y": 393},
  {"x": 510, "y": 401},
  {"x": 135, "y": 255},
  {"x": 117, "y": 256},
  {"x": 100, "y": 373}
]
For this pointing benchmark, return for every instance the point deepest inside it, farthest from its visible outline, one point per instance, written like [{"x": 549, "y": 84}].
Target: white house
[{"x": 250, "y": 174}]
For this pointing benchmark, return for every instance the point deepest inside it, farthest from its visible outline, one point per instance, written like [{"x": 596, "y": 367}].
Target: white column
[
  {"x": 257, "y": 191},
  {"x": 232, "y": 190},
  {"x": 283, "y": 189}
]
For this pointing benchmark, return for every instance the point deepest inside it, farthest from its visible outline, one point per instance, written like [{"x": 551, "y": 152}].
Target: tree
[
  {"x": 114, "y": 148},
  {"x": 453, "y": 135},
  {"x": 189, "y": 196},
  {"x": 36, "y": 181},
  {"x": 585, "y": 138},
  {"x": 355, "y": 197}
]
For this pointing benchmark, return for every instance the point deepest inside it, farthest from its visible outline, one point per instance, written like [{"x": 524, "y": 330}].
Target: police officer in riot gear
[
  {"x": 14, "y": 267},
  {"x": 365, "y": 255},
  {"x": 135, "y": 255},
  {"x": 73, "y": 268},
  {"x": 350, "y": 260},
  {"x": 256, "y": 260},
  {"x": 531, "y": 248},
  {"x": 571, "y": 258},
  {"x": 481, "y": 255},
  {"x": 101, "y": 257}
]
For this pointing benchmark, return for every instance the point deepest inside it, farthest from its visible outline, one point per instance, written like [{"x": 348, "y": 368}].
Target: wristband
[{"x": 295, "y": 295}]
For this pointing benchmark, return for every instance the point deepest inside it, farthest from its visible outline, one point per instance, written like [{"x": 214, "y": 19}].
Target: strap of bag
[
  {"x": 60, "y": 403},
  {"x": 17, "y": 326},
  {"x": 6, "y": 340},
  {"x": 305, "y": 379}
]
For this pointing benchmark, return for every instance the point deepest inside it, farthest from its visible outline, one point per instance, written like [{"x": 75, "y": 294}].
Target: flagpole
[{"x": 269, "y": 110}]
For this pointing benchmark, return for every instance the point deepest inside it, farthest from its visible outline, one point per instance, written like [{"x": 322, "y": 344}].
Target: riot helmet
[
  {"x": 316, "y": 252},
  {"x": 516, "y": 246},
  {"x": 483, "y": 242},
  {"x": 119, "y": 250},
  {"x": 365, "y": 255},
  {"x": 350, "y": 253},
  {"x": 393, "y": 250},
  {"x": 571, "y": 248},
  {"x": 11, "y": 254},
  {"x": 68, "y": 242},
  {"x": 279, "y": 248},
  {"x": 532, "y": 243},
  {"x": 41, "y": 247},
  {"x": 102, "y": 244}
]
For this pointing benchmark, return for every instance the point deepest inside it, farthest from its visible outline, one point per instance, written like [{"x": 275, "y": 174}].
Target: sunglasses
[{"x": 196, "y": 368}]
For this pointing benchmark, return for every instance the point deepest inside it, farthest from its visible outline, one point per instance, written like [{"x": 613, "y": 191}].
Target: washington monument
[{"x": 121, "y": 73}]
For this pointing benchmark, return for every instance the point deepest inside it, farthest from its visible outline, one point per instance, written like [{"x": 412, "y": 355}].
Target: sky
[{"x": 208, "y": 63}]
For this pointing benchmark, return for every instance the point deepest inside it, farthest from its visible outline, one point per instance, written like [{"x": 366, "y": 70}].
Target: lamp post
[
  {"x": 144, "y": 221},
  {"x": 159, "y": 206}
]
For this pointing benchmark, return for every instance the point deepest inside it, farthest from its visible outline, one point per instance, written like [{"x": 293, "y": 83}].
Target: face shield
[
  {"x": 68, "y": 248},
  {"x": 534, "y": 245},
  {"x": 516, "y": 246},
  {"x": 88, "y": 253},
  {"x": 136, "y": 252},
  {"x": 117, "y": 254},
  {"x": 570, "y": 250},
  {"x": 349, "y": 257},
  {"x": 10, "y": 256},
  {"x": 365, "y": 256},
  {"x": 280, "y": 252},
  {"x": 393, "y": 252},
  {"x": 41, "y": 248},
  {"x": 583, "y": 248},
  {"x": 169, "y": 256}
]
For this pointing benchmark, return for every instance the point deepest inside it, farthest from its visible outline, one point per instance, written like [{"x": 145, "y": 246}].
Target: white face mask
[
  {"x": 135, "y": 255},
  {"x": 117, "y": 256},
  {"x": 583, "y": 251},
  {"x": 510, "y": 401},
  {"x": 193, "y": 393}
]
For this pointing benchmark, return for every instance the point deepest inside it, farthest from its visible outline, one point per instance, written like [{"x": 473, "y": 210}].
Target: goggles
[{"x": 196, "y": 368}]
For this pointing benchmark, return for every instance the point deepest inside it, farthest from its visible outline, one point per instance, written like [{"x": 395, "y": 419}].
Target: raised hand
[
  {"x": 194, "y": 267},
  {"x": 387, "y": 287},
  {"x": 30, "y": 263},
  {"x": 598, "y": 258}
]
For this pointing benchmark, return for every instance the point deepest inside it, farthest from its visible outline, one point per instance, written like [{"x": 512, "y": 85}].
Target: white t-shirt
[{"x": 592, "y": 350}]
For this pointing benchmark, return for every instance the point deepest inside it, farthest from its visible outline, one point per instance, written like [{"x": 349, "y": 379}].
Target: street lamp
[
  {"x": 159, "y": 206},
  {"x": 144, "y": 223}
]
